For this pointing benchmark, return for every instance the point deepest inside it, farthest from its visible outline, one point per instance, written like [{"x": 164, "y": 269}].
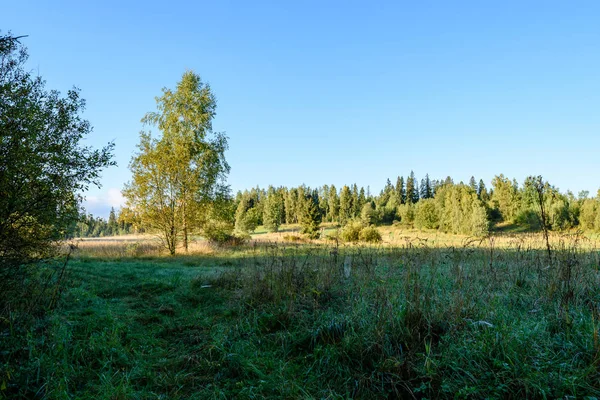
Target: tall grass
[{"x": 482, "y": 318}]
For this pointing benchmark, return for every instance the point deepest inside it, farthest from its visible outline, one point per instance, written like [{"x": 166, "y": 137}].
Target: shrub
[
  {"x": 218, "y": 231},
  {"x": 351, "y": 232},
  {"x": 370, "y": 234}
]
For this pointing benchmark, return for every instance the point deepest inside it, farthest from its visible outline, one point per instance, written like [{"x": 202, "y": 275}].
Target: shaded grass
[{"x": 277, "y": 321}]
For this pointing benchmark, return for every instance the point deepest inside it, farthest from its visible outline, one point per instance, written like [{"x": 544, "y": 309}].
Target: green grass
[{"x": 276, "y": 321}]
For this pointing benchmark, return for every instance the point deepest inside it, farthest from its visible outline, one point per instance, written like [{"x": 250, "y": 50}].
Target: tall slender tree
[
  {"x": 412, "y": 191},
  {"x": 345, "y": 205},
  {"x": 400, "y": 191},
  {"x": 180, "y": 175},
  {"x": 426, "y": 191}
]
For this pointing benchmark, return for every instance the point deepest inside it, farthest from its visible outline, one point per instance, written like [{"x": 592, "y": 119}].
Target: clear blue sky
[{"x": 340, "y": 92}]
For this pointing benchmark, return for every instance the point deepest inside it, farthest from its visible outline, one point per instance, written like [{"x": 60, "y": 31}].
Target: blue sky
[{"x": 339, "y": 92}]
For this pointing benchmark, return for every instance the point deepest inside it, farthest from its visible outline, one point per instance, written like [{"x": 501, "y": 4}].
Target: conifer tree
[
  {"x": 291, "y": 206},
  {"x": 272, "y": 210},
  {"x": 113, "y": 226},
  {"x": 426, "y": 192},
  {"x": 482, "y": 192},
  {"x": 311, "y": 215},
  {"x": 324, "y": 202},
  {"x": 334, "y": 204},
  {"x": 345, "y": 205},
  {"x": 400, "y": 191},
  {"x": 355, "y": 203},
  {"x": 362, "y": 198},
  {"x": 412, "y": 192},
  {"x": 473, "y": 183}
]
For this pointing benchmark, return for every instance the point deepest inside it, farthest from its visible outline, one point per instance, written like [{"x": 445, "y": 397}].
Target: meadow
[{"x": 421, "y": 315}]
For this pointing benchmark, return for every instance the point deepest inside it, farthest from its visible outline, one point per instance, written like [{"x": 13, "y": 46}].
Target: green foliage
[
  {"x": 400, "y": 191},
  {"x": 426, "y": 188},
  {"x": 44, "y": 168},
  {"x": 311, "y": 216},
  {"x": 247, "y": 214},
  {"x": 218, "y": 231},
  {"x": 369, "y": 234},
  {"x": 505, "y": 198},
  {"x": 426, "y": 214},
  {"x": 412, "y": 191},
  {"x": 589, "y": 215},
  {"x": 351, "y": 231},
  {"x": 334, "y": 204},
  {"x": 181, "y": 173},
  {"x": 369, "y": 214},
  {"x": 406, "y": 212},
  {"x": 460, "y": 211},
  {"x": 346, "y": 212},
  {"x": 272, "y": 210}
]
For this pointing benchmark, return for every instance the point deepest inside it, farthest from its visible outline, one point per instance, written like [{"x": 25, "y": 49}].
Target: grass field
[{"x": 420, "y": 316}]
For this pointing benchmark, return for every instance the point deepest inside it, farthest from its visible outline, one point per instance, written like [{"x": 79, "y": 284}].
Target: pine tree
[
  {"x": 113, "y": 226},
  {"x": 362, "y": 199},
  {"x": 324, "y": 202},
  {"x": 355, "y": 203},
  {"x": 334, "y": 204},
  {"x": 400, "y": 191},
  {"x": 311, "y": 215},
  {"x": 246, "y": 215},
  {"x": 473, "y": 183},
  {"x": 426, "y": 191},
  {"x": 291, "y": 206},
  {"x": 412, "y": 192},
  {"x": 345, "y": 205},
  {"x": 482, "y": 192},
  {"x": 273, "y": 204}
]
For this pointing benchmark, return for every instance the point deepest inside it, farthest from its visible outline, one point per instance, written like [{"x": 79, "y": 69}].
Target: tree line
[{"x": 458, "y": 208}]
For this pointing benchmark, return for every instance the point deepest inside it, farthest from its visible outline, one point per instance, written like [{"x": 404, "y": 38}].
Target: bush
[
  {"x": 370, "y": 234},
  {"x": 219, "y": 232},
  {"x": 351, "y": 232}
]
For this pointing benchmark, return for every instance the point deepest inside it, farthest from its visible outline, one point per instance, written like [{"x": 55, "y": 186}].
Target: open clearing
[{"x": 288, "y": 320}]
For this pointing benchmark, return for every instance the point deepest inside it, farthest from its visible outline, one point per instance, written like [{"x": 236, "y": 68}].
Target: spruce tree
[
  {"x": 426, "y": 191},
  {"x": 311, "y": 215},
  {"x": 113, "y": 226},
  {"x": 334, "y": 204},
  {"x": 273, "y": 204},
  {"x": 473, "y": 183},
  {"x": 362, "y": 198},
  {"x": 482, "y": 192},
  {"x": 400, "y": 191},
  {"x": 412, "y": 193},
  {"x": 345, "y": 205},
  {"x": 355, "y": 203}
]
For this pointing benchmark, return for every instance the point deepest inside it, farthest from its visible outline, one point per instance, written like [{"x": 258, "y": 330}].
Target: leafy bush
[
  {"x": 218, "y": 231},
  {"x": 351, "y": 232},
  {"x": 370, "y": 234}
]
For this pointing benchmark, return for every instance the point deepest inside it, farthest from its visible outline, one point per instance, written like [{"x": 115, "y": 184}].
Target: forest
[{"x": 459, "y": 208}]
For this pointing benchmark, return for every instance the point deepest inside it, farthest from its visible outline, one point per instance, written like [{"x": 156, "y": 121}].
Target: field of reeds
[{"x": 417, "y": 317}]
